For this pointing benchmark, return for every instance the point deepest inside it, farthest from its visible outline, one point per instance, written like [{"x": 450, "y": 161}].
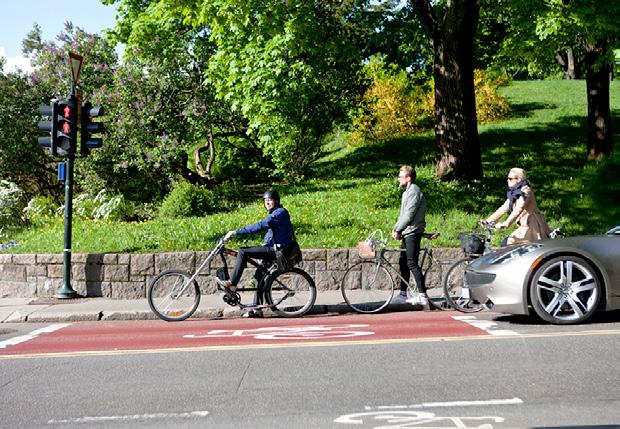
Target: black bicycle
[
  {"x": 368, "y": 286},
  {"x": 174, "y": 295},
  {"x": 474, "y": 245}
]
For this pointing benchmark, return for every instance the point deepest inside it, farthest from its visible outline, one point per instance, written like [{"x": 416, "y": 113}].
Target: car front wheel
[{"x": 565, "y": 290}]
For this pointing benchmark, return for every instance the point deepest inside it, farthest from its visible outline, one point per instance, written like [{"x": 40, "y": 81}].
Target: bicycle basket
[
  {"x": 472, "y": 243},
  {"x": 366, "y": 249}
]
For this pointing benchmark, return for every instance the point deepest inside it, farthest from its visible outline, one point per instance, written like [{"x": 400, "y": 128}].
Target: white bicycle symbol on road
[
  {"x": 289, "y": 332},
  {"x": 406, "y": 419},
  {"x": 407, "y": 416}
]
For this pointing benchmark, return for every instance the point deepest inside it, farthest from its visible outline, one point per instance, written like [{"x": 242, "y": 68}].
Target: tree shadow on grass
[
  {"x": 525, "y": 110},
  {"x": 380, "y": 159}
]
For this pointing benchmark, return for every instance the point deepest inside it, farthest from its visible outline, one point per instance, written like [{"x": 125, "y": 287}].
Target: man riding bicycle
[{"x": 279, "y": 234}]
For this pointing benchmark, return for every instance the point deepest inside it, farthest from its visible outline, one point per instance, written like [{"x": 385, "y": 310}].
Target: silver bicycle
[{"x": 174, "y": 294}]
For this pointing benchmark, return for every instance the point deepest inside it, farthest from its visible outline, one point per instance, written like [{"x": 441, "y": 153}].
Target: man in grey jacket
[{"x": 409, "y": 228}]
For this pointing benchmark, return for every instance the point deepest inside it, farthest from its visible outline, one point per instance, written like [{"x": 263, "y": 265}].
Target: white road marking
[
  {"x": 401, "y": 416},
  {"x": 511, "y": 401},
  {"x": 23, "y": 338},
  {"x": 485, "y": 325},
  {"x": 155, "y": 416},
  {"x": 289, "y": 332}
]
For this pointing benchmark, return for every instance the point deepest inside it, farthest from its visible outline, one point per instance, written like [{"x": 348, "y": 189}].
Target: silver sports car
[{"x": 563, "y": 281}]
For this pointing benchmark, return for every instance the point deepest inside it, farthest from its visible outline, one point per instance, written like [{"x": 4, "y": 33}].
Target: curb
[{"x": 45, "y": 315}]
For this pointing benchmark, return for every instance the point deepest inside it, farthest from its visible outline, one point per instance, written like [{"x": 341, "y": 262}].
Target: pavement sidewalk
[{"x": 51, "y": 309}]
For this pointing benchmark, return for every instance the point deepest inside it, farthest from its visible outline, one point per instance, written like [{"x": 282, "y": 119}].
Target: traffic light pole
[{"x": 66, "y": 291}]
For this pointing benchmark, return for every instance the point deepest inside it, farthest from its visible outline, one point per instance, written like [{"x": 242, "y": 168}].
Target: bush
[
  {"x": 11, "y": 204},
  {"x": 392, "y": 107},
  {"x": 109, "y": 208},
  {"x": 39, "y": 209},
  {"x": 230, "y": 195},
  {"x": 490, "y": 106},
  {"x": 101, "y": 207},
  {"x": 187, "y": 200}
]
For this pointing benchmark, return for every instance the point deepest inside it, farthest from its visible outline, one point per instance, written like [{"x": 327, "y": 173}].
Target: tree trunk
[
  {"x": 203, "y": 171},
  {"x": 568, "y": 64},
  {"x": 598, "y": 73},
  {"x": 456, "y": 131}
]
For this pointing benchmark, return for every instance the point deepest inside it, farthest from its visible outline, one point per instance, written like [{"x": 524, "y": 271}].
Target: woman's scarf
[{"x": 514, "y": 192}]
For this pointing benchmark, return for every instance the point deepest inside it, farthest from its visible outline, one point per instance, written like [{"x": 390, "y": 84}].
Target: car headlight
[{"x": 515, "y": 253}]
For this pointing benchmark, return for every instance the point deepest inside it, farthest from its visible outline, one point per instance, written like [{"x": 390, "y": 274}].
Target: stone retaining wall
[{"x": 126, "y": 276}]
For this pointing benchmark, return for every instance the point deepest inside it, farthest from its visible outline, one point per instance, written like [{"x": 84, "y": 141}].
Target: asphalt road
[{"x": 421, "y": 369}]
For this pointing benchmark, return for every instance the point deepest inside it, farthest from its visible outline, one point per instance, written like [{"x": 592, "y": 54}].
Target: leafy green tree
[
  {"x": 22, "y": 161},
  {"x": 174, "y": 105},
  {"x": 598, "y": 23},
  {"x": 290, "y": 67},
  {"x": 52, "y": 75},
  {"x": 450, "y": 28},
  {"x": 568, "y": 31}
]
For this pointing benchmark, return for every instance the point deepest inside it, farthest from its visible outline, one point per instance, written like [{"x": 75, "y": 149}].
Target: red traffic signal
[{"x": 65, "y": 140}]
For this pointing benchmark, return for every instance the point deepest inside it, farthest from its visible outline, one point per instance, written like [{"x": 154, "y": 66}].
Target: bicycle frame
[
  {"x": 220, "y": 249},
  {"x": 425, "y": 253}
]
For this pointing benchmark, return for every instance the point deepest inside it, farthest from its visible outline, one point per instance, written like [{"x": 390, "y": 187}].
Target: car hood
[{"x": 596, "y": 246}]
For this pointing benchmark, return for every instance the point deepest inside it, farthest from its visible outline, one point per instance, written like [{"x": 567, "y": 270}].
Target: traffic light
[
  {"x": 88, "y": 128},
  {"x": 50, "y": 111},
  {"x": 64, "y": 143}
]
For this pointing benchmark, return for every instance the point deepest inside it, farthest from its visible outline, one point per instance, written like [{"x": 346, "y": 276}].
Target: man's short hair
[{"x": 409, "y": 171}]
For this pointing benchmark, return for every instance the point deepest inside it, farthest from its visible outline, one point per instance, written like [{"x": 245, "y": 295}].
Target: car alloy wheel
[{"x": 565, "y": 290}]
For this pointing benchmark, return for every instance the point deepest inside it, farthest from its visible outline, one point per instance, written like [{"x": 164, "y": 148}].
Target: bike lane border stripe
[
  {"x": 32, "y": 335},
  {"x": 313, "y": 344}
]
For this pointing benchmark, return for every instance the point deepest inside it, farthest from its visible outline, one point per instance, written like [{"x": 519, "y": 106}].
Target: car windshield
[{"x": 614, "y": 231}]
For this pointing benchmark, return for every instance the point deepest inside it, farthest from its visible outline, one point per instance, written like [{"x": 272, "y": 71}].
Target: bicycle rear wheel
[
  {"x": 367, "y": 287},
  {"x": 454, "y": 288},
  {"x": 291, "y": 294},
  {"x": 172, "y": 296}
]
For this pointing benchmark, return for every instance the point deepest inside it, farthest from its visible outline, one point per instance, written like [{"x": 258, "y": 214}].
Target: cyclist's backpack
[{"x": 288, "y": 256}]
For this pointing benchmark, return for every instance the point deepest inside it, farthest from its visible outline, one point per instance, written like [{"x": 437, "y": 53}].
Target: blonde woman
[{"x": 521, "y": 207}]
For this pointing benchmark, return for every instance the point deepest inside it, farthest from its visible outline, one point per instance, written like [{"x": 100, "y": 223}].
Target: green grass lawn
[{"x": 355, "y": 189}]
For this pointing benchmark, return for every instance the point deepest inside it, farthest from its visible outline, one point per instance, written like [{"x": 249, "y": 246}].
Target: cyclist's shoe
[
  {"x": 419, "y": 299},
  {"x": 227, "y": 286},
  {"x": 399, "y": 299},
  {"x": 254, "y": 313}
]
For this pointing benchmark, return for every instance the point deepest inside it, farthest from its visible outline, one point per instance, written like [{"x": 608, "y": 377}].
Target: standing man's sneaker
[
  {"x": 257, "y": 313},
  {"x": 399, "y": 299},
  {"x": 419, "y": 299}
]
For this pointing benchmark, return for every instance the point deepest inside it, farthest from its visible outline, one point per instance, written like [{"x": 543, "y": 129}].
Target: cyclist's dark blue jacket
[{"x": 278, "y": 224}]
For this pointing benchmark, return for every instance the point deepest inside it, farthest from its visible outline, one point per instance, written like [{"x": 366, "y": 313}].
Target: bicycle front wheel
[
  {"x": 367, "y": 287},
  {"x": 172, "y": 296},
  {"x": 291, "y": 294},
  {"x": 453, "y": 288},
  {"x": 433, "y": 274}
]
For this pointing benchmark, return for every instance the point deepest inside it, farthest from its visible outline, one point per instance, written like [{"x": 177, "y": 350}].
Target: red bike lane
[{"x": 155, "y": 335}]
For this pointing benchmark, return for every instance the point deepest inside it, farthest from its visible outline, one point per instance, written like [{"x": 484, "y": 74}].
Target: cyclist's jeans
[
  {"x": 408, "y": 262},
  {"x": 260, "y": 252}
]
